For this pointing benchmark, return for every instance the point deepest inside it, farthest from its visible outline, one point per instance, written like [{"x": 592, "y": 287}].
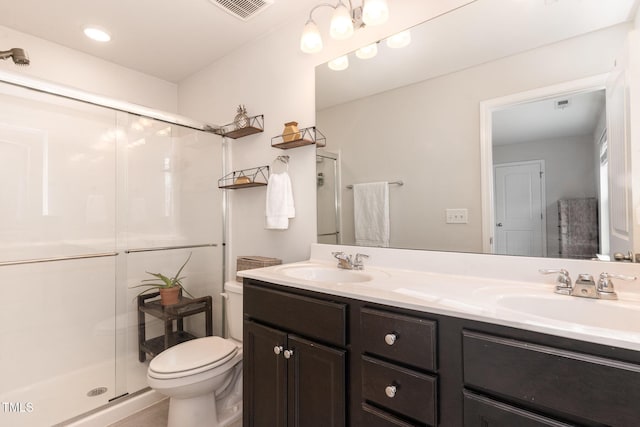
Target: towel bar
[{"x": 391, "y": 183}]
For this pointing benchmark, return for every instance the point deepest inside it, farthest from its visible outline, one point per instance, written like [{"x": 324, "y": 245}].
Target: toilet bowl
[{"x": 203, "y": 377}]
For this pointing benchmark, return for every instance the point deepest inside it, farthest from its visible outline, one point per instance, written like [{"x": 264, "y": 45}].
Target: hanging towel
[
  {"x": 279, "y": 202},
  {"x": 371, "y": 214}
]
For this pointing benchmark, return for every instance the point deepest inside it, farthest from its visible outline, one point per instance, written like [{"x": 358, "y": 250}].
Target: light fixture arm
[{"x": 319, "y": 6}]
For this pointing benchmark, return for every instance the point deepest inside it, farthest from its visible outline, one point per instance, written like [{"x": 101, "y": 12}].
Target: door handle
[{"x": 499, "y": 224}]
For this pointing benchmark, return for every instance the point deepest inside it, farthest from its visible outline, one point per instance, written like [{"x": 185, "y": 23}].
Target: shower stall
[{"x": 94, "y": 193}]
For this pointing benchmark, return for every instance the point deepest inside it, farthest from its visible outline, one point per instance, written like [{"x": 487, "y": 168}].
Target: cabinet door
[
  {"x": 265, "y": 375},
  {"x": 317, "y": 384}
]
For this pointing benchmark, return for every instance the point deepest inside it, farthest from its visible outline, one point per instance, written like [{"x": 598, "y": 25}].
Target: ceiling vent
[{"x": 243, "y": 9}]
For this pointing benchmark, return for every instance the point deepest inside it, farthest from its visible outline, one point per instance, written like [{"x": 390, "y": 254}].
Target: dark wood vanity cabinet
[
  {"x": 294, "y": 360},
  {"x": 363, "y": 364}
]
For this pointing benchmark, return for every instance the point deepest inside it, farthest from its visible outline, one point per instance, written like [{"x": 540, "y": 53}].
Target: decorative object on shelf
[
  {"x": 242, "y": 180},
  {"x": 254, "y": 124},
  {"x": 245, "y": 178},
  {"x": 290, "y": 132},
  {"x": 344, "y": 21},
  {"x": 306, "y": 136},
  {"x": 242, "y": 119},
  {"x": 169, "y": 287}
]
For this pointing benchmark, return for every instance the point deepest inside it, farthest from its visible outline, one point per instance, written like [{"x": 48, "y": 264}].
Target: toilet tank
[{"x": 233, "y": 291}]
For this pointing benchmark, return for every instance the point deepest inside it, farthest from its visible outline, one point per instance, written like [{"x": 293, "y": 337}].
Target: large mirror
[{"x": 500, "y": 128}]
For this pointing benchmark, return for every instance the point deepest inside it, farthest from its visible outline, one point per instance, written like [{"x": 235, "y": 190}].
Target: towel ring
[{"x": 282, "y": 159}]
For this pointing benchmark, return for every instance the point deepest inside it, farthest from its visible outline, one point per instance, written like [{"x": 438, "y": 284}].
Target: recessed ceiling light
[{"x": 97, "y": 34}]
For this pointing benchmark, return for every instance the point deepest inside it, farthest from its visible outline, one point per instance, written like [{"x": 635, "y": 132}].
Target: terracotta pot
[{"x": 170, "y": 296}]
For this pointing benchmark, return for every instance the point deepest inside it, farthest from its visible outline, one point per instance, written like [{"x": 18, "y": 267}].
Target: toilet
[{"x": 203, "y": 377}]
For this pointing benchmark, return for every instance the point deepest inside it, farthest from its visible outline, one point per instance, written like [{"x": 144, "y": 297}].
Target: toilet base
[{"x": 196, "y": 411}]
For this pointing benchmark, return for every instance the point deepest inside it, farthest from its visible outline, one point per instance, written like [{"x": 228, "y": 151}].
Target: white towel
[
  {"x": 371, "y": 214},
  {"x": 279, "y": 202}
]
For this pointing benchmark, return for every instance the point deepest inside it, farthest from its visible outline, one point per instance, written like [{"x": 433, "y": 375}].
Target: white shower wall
[{"x": 78, "y": 179}]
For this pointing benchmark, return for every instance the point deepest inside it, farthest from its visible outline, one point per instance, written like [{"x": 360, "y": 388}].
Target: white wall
[
  {"x": 273, "y": 77},
  {"x": 56, "y": 63},
  {"x": 569, "y": 173}
]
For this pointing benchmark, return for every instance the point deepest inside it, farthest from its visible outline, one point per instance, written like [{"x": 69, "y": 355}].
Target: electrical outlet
[{"x": 457, "y": 216}]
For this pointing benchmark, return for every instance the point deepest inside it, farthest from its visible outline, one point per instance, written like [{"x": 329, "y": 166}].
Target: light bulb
[
  {"x": 341, "y": 26},
  {"x": 399, "y": 40},
  {"x": 339, "y": 64},
  {"x": 311, "y": 41},
  {"x": 375, "y": 12},
  {"x": 366, "y": 52},
  {"x": 97, "y": 34}
]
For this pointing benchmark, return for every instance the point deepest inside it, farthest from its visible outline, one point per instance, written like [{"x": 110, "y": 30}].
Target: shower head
[{"x": 18, "y": 55}]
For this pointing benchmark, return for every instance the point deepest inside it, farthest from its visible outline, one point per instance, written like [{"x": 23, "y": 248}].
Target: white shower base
[{"x": 63, "y": 397}]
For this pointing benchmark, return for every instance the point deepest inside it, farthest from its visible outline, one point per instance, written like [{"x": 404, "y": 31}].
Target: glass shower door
[{"x": 57, "y": 257}]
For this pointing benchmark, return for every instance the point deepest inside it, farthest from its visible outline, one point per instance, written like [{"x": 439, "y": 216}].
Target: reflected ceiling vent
[
  {"x": 243, "y": 9},
  {"x": 562, "y": 104}
]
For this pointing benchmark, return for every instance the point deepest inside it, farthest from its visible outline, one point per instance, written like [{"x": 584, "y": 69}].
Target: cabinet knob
[
  {"x": 277, "y": 349},
  {"x": 390, "y": 391},
  {"x": 390, "y": 339},
  {"x": 288, "y": 354}
]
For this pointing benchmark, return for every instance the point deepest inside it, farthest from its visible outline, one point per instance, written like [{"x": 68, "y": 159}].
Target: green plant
[{"x": 164, "y": 282}]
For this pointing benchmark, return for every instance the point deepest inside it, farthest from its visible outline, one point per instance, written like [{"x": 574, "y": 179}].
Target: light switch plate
[{"x": 457, "y": 216}]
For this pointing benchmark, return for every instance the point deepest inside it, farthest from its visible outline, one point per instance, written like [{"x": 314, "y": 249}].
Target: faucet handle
[
  {"x": 357, "y": 262},
  {"x": 338, "y": 255},
  {"x": 563, "y": 281},
  {"x": 605, "y": 286}
]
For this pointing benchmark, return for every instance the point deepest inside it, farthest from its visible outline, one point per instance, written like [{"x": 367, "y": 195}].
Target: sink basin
[
  {"x": 589, "y": 312},
  {"x": 326, "y": 274}
]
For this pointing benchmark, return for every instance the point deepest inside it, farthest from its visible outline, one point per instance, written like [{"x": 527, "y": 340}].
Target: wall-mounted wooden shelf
[
  {"x": 255, "y": 125},
  {"x": 245, "y": 178},
  {"x": 306, "y": 136}
]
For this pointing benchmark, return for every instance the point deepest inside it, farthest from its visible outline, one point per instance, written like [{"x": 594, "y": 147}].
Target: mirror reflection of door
[
  {"x": 519, "y": 197},
  {"x": 328, "y": 197},
  {"x": 564, "y": 132}
]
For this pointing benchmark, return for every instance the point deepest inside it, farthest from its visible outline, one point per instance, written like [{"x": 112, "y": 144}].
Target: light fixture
[
  {"x": 311, "y": 41},
  {"x": 339, "y": 64},
  {"x": 399, "y": 40},
  {"x": 341, "y": 27},
  {"x": 375, "y": 12},
  {"x": 367, "y": 52},
  {"x": 97, "y": 34},
  {"x": 344, "y": 21}
]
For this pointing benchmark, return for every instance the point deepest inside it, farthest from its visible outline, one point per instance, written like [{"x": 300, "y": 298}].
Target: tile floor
[{"x": 153, "y": 416}]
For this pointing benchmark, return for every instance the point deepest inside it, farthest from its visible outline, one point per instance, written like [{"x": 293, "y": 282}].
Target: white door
[
  {"x": 619, "y": 129},
  {"x": 519, "y": 216}
]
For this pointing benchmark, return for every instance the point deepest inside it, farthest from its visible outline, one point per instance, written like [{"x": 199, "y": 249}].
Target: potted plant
[{"x": 169, "y": 287}]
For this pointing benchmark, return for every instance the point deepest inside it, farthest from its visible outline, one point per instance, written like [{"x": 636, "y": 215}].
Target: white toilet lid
[{"x": 192, "y": 355}]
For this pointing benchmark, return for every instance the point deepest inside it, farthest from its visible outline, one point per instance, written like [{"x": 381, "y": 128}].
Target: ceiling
[{"x": 169, "y": 39}]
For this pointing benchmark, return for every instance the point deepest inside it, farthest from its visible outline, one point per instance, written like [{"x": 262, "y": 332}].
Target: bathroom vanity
[{"x": 404, "y": 348}]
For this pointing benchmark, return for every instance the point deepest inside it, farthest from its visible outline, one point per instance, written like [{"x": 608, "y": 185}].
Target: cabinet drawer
[
  {"x": 416, "y": 393},
  {"x": 415, "y": 338},
  {"x": 310, "y": 317},
  {"x": 374, "y": 417},
  {"x": 480, "y": 411},
  {"x": 553, "y": 380}
]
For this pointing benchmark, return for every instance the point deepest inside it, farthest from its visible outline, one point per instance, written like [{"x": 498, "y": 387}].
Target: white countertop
[{"x": 526, "y": 305}]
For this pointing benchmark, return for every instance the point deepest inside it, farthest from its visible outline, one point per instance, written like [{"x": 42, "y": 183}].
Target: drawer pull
[
  {"x": 277, "y": 349},
  {"x": 390, "y": 339},
  {"x": 390, "y": 391},
  {"x": 288, "y": 354}
]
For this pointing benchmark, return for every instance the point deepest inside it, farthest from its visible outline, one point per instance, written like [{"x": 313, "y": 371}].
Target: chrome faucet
[
  {"x": 586, "y": 286},
  {"x": 348, "y": 262},
  {"x": 563, "y": 281}
]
